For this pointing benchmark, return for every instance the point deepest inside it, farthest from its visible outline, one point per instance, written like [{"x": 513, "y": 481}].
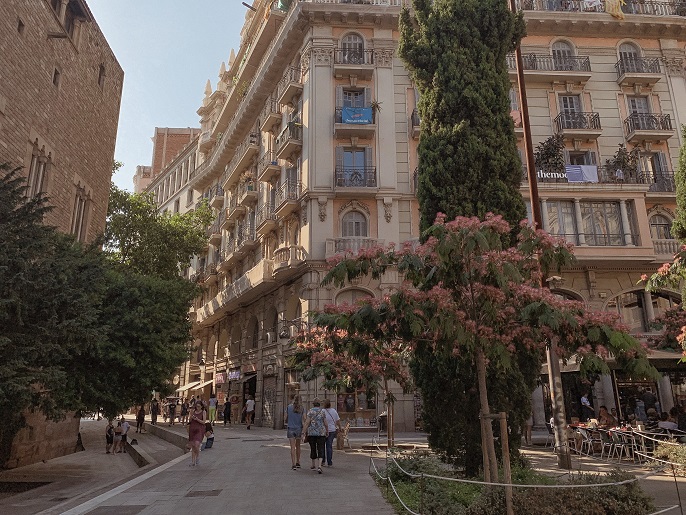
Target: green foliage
[
  {"x": 679, "y": 225},
  {"x": 549, "y": 154},
  {"x": 151, "y": 243},
  {"x": 625, "y": 161},
  {"x": 468, "y": 160},
  {"x": 670, "y": 323},
  {"x": 674, "y": 453},
  {"x": 453, "y": 498}
]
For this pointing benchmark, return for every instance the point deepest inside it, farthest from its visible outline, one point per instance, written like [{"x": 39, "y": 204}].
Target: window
[
  {"x": 561, "y": 220},
  {"x": 660, "y": 227},
  {"x": 177, "y": 205},
  {"x": 38, "y": 170},
  {"x": 101, "y": 76},
  {"x": 638, "y": 105},
  {"x": 354, "y": 225},
  {"x": 632, "y": 309},
  {"x": 602, "y": 223},
  {"x": 514, "y": 99},
  {"x": 570, "y": 104},
  {"x": 563, "y": 54},
  {"x": 629, "y": 57},
  {"x": 351, "y": 296},
  {"x": 353, "y": 105},
  {"x": 354, "y": 168},
  {"x": 581, "y": 158},
  {"x": 352, "y": 47},
  {"x": 79, "y": 217},
  {"x": 20, "y": 26},
  {"x": 56, "y": 77},
  {"x": 56, "y": 5}
]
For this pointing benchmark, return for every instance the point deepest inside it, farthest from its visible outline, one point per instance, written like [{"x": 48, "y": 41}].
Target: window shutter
[
  {"x": 566, "y": 156},
  {"x": 591, "y": 158},
  {"x": 339, "y": 158},
  {"x": 339, "y": 96},
  {"x": 367, "y": 97},
  {"x": 662, "y": 161},
  {"x": 370, "y": 173}
]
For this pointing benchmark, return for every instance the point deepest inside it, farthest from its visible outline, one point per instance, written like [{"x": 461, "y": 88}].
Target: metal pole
[{"x": 564, "y": 458}]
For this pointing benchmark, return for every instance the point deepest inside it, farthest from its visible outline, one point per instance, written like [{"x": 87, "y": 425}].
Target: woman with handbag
[
  {"x": 196, "y": 431},
  {"x": 333, "y": 422},
  {"x": 315, "y": 432},
  {"x": 295, "y": 415}
]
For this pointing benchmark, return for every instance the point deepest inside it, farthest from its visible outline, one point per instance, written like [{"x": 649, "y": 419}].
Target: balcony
[
  {"x": 666, "y": 249},
  {"x": 205, "y": 141},
  {"x": 286, "y": 261},
  {"x": 268, "y": 166},
  {"x": 354, "y": 122},
  {"x": 217, "y": 197},
  {"x": 359, "y": 177},
  {"x": 350, "y": 245},
  {"x": 660, "y": 181},
  {"x": 648, "y": 127},
  {"x": 290, "y": 86},
  {"x": 643, "y": 7},
  {"x": 578, "y": 125},
  {"x": 271, "y": 115},
  {"x": 245, "y": 153},
  {"x": 229, "y": 255},
  {"x": 353, "y": 61},
  {"x": 265, "y": 220},
  {"x": 638, "y": 70},
  {"x": 246, "y": 239},
  {"x": 289, "y": 141},
  {"x": 247, "y": 194},
  {"x": 214, "y": 231},
  {"x": 657, "y": 181},
  {"x": 546, "y": 68},
  {"x": 210, "y": 274},
  {"x": 287, "y": 198},
  {"x": 227, "y": 223},
  {"x": 235, "y": 209},
  {"x": 415, "y": 124}
]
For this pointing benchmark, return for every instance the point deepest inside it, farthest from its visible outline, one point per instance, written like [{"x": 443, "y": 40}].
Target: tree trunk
[
  {"x": 390, "y": 436},
  {"x": 490, "y": 465}
]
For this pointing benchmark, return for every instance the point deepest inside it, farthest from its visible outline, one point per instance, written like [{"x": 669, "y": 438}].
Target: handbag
[{"x": 307, "y": 438}]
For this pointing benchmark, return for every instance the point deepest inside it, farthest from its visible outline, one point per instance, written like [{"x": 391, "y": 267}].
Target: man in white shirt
[
  {"x": 124, "y": 430},
  {"x": 249, "y": 410}
]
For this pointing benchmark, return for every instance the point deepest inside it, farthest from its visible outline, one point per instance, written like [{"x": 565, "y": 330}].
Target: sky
[{"x": 168, "y": 49}]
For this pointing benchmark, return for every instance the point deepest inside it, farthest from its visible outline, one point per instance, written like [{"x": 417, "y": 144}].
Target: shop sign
[
  {"x": 220, "y": 378},
  {"x": 234, "y": 375}
]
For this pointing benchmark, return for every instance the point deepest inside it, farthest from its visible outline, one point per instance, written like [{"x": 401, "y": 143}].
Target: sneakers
[
  {"x": 293, "y": 467},
  {"x": 319, "y": 470},
  {"x": 297, "y": 465}
]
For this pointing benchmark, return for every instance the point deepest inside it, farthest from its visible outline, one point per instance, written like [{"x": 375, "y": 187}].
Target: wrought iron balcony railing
[
  {"x": 645, "y": 7},
  {"x": 647, "y": 122},
  {"x": 572, "y": 121},
  {"x": 549, "y": 63},
  {"x": 358, "y": 177},
  {"x": 353, "y": 56},
  {"x": 288, "y": 191},
  {"x": 637, "y": 65}
]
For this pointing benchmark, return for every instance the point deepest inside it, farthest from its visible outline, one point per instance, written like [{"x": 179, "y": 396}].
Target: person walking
[
  {"x": 109, "y": 436},
  {"x": 140, "y": 419},
  {"x": 117, "y": 438},
  {"x": 196, "y": 431},
  {"x": 185, "y": 407},
  {"x": 316, "y": 431},
  {"x": 154, "y": 411},
  {"x": 295, "y": 415},
  {"x": 227, "y": 412},
  {"x": 250, "y": 410},
  {"x": 125, "y": 426},
  {"x": 213, "y": 408},
  {"x": 172, "y": 412},
  {"x": 333, "y": 422}
]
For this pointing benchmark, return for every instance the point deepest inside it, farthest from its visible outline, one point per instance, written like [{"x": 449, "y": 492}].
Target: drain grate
[
  {"x": 204, "y": 493},
  {"x": 17, "y": 487}
]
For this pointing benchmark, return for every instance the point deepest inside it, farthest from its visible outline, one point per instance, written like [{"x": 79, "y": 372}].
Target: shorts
[
  {"x": 110, "y": 440},
  {"x": 123, "y": 438},
  {"x": 294, "y": 433},
  {"x": 117, "y": 438}
]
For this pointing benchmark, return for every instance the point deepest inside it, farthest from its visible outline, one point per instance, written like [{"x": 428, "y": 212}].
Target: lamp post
[{"x": 564, "y": 458}]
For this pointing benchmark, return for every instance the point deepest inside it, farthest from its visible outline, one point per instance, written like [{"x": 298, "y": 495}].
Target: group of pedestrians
[
  {"x": 318, "y": 427},
  {"x": 116, "y": 436}
]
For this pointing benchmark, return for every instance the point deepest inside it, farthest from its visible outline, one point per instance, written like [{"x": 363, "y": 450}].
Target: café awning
[
  {"x": 187, "y": 386},
  {"x": 202, "y": 385}
]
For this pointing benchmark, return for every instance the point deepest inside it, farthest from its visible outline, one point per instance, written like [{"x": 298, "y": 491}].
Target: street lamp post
[{"x": 564, "y": 458}]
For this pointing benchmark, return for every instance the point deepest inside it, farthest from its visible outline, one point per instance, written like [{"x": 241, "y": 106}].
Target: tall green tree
[
  {"x": 456, "y": 53},
  {"x": 149, "y": 242}
]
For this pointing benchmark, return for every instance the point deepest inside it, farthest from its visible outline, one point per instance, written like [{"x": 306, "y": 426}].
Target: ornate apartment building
[
  {"x": 308, "y": 148},
  {"x": 60, "y": 89}
]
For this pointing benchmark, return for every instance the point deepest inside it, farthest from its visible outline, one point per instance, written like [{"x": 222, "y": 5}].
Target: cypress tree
[{"x": 456, "y": 53}]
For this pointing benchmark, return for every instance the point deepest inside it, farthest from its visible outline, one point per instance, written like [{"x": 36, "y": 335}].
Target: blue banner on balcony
[
  {"x": 356, "y": 115},
  {"x": 581, "y": 173}
]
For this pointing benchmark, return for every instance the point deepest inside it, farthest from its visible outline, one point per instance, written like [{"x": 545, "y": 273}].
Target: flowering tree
[
  {"x": 467, "y": 294},
  {"x": 347, "y": 359}
]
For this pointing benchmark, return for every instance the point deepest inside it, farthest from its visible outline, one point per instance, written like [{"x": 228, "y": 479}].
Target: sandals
[{"x": 297, "y": 465}]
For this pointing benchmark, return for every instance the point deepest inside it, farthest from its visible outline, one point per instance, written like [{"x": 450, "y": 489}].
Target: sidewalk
[{"x": 246, "y": 472}]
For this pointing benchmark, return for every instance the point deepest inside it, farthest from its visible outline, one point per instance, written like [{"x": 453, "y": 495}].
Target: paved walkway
[{"x": 245, "y": 472}]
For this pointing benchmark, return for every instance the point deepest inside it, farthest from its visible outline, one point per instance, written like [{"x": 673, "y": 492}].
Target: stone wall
[{"x": 43, "y": 440}]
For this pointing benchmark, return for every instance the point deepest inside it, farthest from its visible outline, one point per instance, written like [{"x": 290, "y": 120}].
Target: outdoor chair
[
  {"x": 621, "y": 446},
  {"x": 586, "y": 441},
  {"x": 550, "y": 439},
  {"x": 606, "y": 443}
]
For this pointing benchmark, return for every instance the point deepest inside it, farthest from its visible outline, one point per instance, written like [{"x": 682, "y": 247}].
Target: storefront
[{"x": 358, "y": 406}]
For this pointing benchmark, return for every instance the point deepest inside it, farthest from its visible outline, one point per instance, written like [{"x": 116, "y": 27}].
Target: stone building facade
[
  {"x": 60, "y": 90},
  {"x": 300, "y": 163}
]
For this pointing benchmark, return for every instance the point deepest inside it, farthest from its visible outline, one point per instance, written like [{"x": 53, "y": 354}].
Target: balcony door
[
  {"x": 629, "y": 57},
  {"x": 354, "y": 167},
  {"x": 352, "y": 47},
  {"x": 563, "y": 56},
  {"x": 570, "y": 109},
  {"x": 354, "y": 225}
]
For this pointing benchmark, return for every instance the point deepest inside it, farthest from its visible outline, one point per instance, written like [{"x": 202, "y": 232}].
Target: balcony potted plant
[{"x": 247, "y": 179}]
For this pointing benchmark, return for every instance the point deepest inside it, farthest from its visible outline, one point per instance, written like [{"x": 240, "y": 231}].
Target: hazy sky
[{"x": 168, "y": 49}]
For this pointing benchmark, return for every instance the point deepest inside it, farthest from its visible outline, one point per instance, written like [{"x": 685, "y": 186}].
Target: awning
[
  {"x": 187, "y": 386},
  {"x": 202, "y": 385}
]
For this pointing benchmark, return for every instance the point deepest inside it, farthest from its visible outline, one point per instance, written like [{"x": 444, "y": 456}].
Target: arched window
[
  {"x": 632, "y": 309},
  {"x": 660, "y": 227},
  {"x": 352, "y": 47},
  {"x": 354, "y": 225},
  {"x": 630, "y": 58},
  {"x": 351, "y": 296},
  {"x": 563, "y": 55}
]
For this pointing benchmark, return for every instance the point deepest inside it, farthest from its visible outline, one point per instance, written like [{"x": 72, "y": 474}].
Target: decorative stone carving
[
  {"x": 661, "y": 210},
  {"x": 383, "y": 57},
  {"x": 674, "y": 65},
  {"x": 387, "y": 208},
  {"x": 322, "y": 56},
  {"x": 354, "y": 204},
  {"x": 321, "y": 201},
  {"x": 303, "y": 213},
  {"x": 305, "y": 60}
]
